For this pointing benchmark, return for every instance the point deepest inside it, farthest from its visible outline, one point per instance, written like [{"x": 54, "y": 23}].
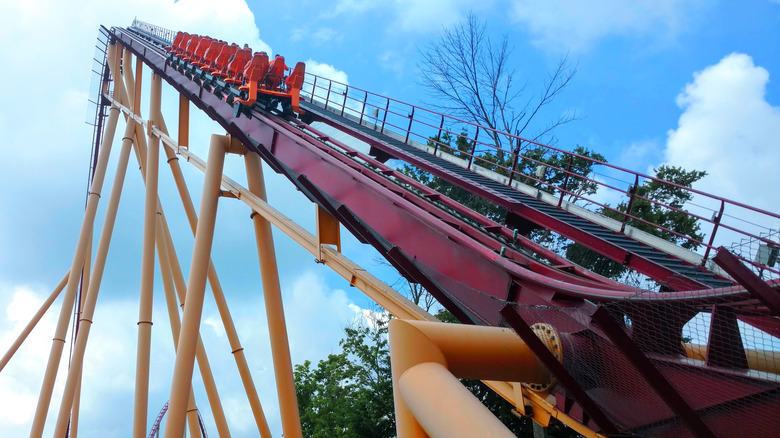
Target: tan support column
[
  {"x": 147, "y": 269},
  {"x": 196, "y": 288},
  {"x": 114, "y": 66},
  {"x": 87, "y": 225},
  {"x": 137, "y": 99},
  {"x": 33, "y": 322},
  {"x": 85, "y": 279},
  {"x": 209, "y": 383},
  {"x": 274, "y": 308},
  {"x": 219, "y": 297},
  {"x": 200, "y": 353},
  {"x": 129, "y": 88},
  {"x": 205, "y": 369},
  {"x": 184, "y": 121},
  {"x": 173, "y": 316},
  {"x": 444, "y": 407},
  {"x": 90, "y": 301},
  {"x": 74, "y": 413}
]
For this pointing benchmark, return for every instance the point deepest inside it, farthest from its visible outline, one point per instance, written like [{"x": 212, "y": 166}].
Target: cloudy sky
[{"x": 667, "y": 81}]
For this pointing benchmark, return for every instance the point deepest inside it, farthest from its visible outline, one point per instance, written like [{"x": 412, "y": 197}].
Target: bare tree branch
[{"x": 472, "y": 77}]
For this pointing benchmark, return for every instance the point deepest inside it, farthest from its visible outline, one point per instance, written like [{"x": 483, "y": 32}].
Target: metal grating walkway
[{"x": 513, "y": 199}]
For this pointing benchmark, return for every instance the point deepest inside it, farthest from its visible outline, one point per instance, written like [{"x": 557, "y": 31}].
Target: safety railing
[
  {"x": 156, "y": 31},
  {"x": 96, "y": 109},
  {"x": 571, "y": 177}
]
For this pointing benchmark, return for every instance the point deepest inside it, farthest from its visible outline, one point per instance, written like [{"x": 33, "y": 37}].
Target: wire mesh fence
[
  {"x": 761, "y": 253},
  {"x": 719, "y": 352}
]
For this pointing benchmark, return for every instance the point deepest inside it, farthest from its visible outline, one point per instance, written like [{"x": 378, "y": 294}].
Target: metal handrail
[
  {"x": 553, "y": 148},
  {"x": 371, "y": 108},
  {"x": 157, "y": 31}
]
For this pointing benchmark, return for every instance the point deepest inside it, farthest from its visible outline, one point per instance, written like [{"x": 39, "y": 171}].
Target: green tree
[
  {"x": 652, "y": 191},
  {"x": 560, "y": 169},
  {"x": 349, "y": 394}
]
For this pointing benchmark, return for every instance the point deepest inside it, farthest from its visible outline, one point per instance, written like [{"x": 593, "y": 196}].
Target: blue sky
[
  {"x": 633, "y": 59},
  {"x": 691, "y": 83}
]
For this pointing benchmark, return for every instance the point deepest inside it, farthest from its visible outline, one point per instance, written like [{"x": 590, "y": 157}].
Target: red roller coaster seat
[{"x": 275, "y": 74}]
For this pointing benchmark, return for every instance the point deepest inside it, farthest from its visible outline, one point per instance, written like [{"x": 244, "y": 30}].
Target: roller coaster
[{"x": 695, "y": 356}]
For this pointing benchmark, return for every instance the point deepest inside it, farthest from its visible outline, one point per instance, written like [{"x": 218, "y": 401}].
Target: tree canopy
[
  {"x": 350, "y": 393},
  {"x": 557, "y": 165}
]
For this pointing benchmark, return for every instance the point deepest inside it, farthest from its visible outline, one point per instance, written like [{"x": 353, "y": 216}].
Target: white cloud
[
  {"x": 577, "y": 25},
  {"x": 297, "y": 34},
  {"x": 108, "y": 375},
  {"x": 311, "y": 337},
  {"x": 327, "y": 71},
  {"x": 319, "y": 37},
  {"x": 45, "y": 142},
  {"x": 393, "y": 61},
  {"x": 315, "y": 316},
  {"x": 370, "y": 318},
  {"x": 325, "y": 35},
  {"x": 344, "y": 7},
  {"x": 334, "y": 93},
  {"x": 17, "y": 398},
  {"x": 432, "y": 15},
  {"x": 230, "y": 20},
  {"x": 215, "y": 323},
  {"x": 728, "y": 129},
  {"x": 640, "y": 152}
]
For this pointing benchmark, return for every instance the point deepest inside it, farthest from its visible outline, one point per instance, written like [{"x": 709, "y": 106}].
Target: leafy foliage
[
  {"x": 571, "y": 173},
  {"x": 461, "y": 148},
  {"x": 652, "y": 191},
  {"x": 349, "y": 394}
]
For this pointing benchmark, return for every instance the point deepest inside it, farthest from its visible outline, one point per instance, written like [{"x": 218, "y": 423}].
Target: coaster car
[{"x": 243, "y": 79}]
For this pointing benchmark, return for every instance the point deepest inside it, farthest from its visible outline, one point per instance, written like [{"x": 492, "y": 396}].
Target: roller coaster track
[{"x": 625, "y": 368}]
